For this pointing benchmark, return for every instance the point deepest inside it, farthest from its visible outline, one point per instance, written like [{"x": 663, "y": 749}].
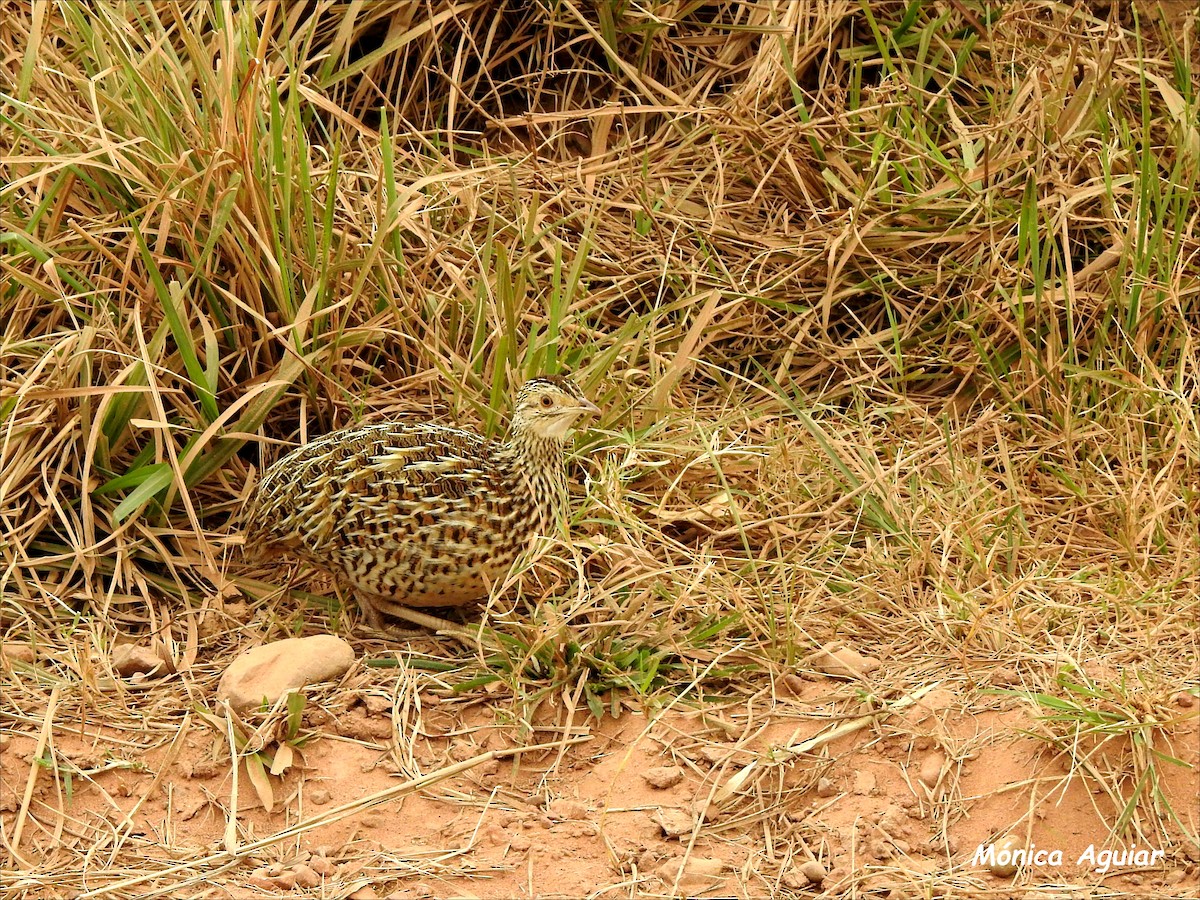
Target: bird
[{"x": 418, "y": 514}]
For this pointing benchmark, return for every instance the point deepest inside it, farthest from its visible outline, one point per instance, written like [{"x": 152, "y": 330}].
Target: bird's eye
[{"x": 547, "y": 401}]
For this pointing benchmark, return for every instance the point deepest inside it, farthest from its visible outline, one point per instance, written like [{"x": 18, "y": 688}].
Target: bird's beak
[{"x": 587, "y": 406}]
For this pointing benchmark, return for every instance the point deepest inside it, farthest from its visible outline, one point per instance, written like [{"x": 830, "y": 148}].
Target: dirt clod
[
  {"x": 663, "y": 777},
  {"x": 674, "y": 822},
  {"x": 563, "y": 809},
  {"x": 844, "y": 662}
]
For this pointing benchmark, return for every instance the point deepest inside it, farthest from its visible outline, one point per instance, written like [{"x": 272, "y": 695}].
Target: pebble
[
  {"x": 319, "y": 797},
  {"x": 1007, "y": 868},
  {"x": 931, "y": 769},
  {"x": 826, "y": 787},
  {"x": 813, "y": 871},
  {"x": 285, "y": 880},
  {"x": 265, "y": 673},
  {"x": 563, "y": 809},
  {"x": 306, "y": 876},
  {"x": 134, "y": 659},
  {"x": 17, "y": 651},
  {"x": 663, "y": 777},
  {"x": 322, "y": 865},
  {"x": 791, "y": 684}
]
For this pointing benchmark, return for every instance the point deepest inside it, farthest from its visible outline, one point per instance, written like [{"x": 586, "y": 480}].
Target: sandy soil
[{"x": 900, "y": 805}]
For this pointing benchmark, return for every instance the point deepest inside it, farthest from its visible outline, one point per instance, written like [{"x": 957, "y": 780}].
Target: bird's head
[{"x": 547, "y": 407}]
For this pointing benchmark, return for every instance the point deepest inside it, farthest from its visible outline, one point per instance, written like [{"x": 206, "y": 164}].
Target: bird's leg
[
  {"x": 425, "y": 620},
  {"x": 369, "y": 611}
]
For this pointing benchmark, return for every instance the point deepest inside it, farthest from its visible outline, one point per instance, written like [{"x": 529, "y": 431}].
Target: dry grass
[{"x": 894, "y": 323}]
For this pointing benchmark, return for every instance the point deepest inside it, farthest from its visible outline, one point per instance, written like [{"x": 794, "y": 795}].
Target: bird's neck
[{"x": 538, "y": 461}]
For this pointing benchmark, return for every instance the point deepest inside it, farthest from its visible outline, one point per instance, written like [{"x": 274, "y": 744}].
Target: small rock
[
  {"x": 791, "y": 684},
  {"x": 1175, "y": 876},
  {"x": 319, "y": 797},
  {"x": 376, "y": 705},
  {"x": 864, "y": 782},
  {"x": 1007, "y": 845},
  {"x": 646, "y": 860},
  {"x": 563, "y": 809},
  {"x": 1183, "y": 698},
  {"x": 704, "y": 811},
  {"x": 931, "y": 769},
  {"x": 134, "y": 659},
  {"x": 699, "y": 874},
  {"x": 266, "y": 673},
  {"x": 520, "y": 842},
  {"x": 285, "y": 880},
  {"x": 17, "y": 651},
  {"x": 306, "y": 876},
  {"x": 935, "y": 701},
  {"x": 674, "y": 822},
  {"x": 460, "y": 749},
  {"x": 366, "y": 892},
  {"x": 844, "y": 662},
  {"x": 813, "y": 871},
  {"x": 826, "y": 787},
  {"x": 322, "y": 865},
  {"x": 707, "y": 866},
  {"x": 1007, "y": 676},
  {"x": 663, "y": 777},
  {"x": 795, "y": 881}
]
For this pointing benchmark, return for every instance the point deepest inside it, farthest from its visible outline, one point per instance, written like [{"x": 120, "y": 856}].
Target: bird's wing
[
  {"x": 430, "y": 460},
  {"x": 387, "y": 476}
]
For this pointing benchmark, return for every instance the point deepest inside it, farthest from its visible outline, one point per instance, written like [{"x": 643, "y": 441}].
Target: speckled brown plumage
[{"x": 417, "y": 514}]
